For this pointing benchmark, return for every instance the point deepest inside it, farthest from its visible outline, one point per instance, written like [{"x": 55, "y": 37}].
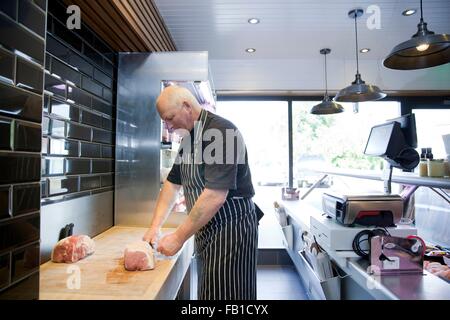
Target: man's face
[{"x": 176, "y": 117}]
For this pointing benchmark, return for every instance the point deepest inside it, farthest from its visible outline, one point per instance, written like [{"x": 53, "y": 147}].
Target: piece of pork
[
  {"x": 139, "y": 256},
  {"x": 73, "y": 248}
]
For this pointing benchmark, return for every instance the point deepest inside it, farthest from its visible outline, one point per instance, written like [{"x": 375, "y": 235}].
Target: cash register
[{"x": 394, "y": 141}]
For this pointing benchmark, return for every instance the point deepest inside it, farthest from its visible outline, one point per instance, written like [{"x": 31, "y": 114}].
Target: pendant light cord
[
  {"x": 421, "y": 12},
  {"x": 356, "y": 33},
  {"x": 326, "y": 82}
]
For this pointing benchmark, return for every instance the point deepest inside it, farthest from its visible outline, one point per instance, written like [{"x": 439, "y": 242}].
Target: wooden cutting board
[{"x": 103, "y": 275}]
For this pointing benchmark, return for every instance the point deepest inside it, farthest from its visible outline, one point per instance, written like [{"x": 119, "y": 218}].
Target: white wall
[{"x": 300, "y": 75}]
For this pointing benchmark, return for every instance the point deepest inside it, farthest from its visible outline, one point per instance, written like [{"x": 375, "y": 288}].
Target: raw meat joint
[
  {"x": 139, "y": 256},
  {"x": 73, "y": 248}
]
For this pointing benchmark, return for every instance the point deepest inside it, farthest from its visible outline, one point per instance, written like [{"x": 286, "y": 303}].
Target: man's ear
[{"x": 187, "y": 106}]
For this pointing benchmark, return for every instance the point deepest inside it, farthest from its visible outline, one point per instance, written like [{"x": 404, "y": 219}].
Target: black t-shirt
[{"x": 224, "y": 164}]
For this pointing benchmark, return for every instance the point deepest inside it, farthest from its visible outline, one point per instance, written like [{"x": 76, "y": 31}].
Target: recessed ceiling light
[
  {"x": 409, "y": 12},
  {"x": 364, "y": 50},
  {"x": 250, "y": 50},
  {"x": 253, "y": 20}
]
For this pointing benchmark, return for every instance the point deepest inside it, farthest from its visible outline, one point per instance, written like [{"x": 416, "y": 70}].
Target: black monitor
[
  {"x": 395, "y": 142},
  {"x": 385, "y": 140},
  {"x": 408, "y": 126}
]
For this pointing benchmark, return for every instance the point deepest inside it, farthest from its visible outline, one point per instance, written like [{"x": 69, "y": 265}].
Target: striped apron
[{"x": 226, "y": 247}]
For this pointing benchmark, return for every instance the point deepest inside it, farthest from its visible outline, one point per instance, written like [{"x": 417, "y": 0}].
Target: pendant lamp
[
  {"x": 358, "y": 91},
  {"x": 425, "y": 49},
  {"x": 327, "y": 106}
]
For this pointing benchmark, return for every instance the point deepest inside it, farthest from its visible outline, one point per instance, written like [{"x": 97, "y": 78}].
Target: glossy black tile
[
  {"x": 102, "y": 136},
  {"x": 93, "y": 55},
  {"x": 57, "y": 9},
  {"x": 48, "y": 62},
  {"x": 91, "y": 86},
  {"x": 4, "y": 202},
  {"x": 19, "y": 232},
  {"x": 57, "y": 49},
  {"x": 21, "y": 168},
  {"x": 25, "y": 261},
  {"x": 66, "y": 35},
  {"x": 78, "y": 132},
  {"x": 44, "y": 191},
  {"x": 9, "y": 7},
  {"x": 101, "y": 166},
  {"x": 77, "y": 61},
  {"x": 7, "y": 66},
  {"x": 103, "y": 78},
  {"x": 90, "y": 150},
  {"x": 57, "y": 128},
  {"x": 107, "y": 124},
  {"x": 62, "y": 185},
  {"x": 26, "y": 199},
  {"x": 46, "y": 105},
  {"x": 59, "y": 147},
  {"x": 107, "y": 152},
  {"x": 102, "y": 107},
  {"x": 107, "y": 180},
  {"x": 107, "y": 95},
  {"x": 28, "y": 289},
  {"x": 78, "y": 96},
  {"x": 4, "y": 270},
  {"x": 87, "y": 183},
  {"x": 101, "y": 47},
  {"x": 86, "y": 34},
  {"x": 32, "y": 17},
  {"x": 16, "y": 37},
  {"x": 65, "y": 72},
  {"x": 45, "y": 126},
  {"x": 78, "y": 166},
  {"x": 108, "y": 68},
  {"x": 44, "y": 146},
  {"x": 5, "y": 134},
  {"x": 41, "y": 3},
  {"x": 27, "y": 137},
  {"x": 52, "y": 166},
  {"x": 55, "y": 86},
  {"x": 91, "y": 119},
  {"x": 65, "y": 110},
  {"x": 18, "y": 103},
  {"x": 49, "y": 24},
  {"x": 29, "y": 76}
]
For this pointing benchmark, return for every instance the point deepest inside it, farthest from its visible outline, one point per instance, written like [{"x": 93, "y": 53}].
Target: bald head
[{"x": 178, "y": 107}]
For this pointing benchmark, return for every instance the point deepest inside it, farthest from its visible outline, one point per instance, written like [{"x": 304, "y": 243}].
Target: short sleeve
[
  {"x": 222, "y": 174},
  {"x": 175, "y": 174}
]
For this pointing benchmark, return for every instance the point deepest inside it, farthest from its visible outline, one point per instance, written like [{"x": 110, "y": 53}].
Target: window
[
  {"x": 335, "y": 140},
  {"x": 264, "y": 126},
  {"x": 432, "y": 125}
]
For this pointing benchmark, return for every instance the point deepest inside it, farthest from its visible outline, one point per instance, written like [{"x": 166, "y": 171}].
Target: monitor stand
[{"x": 387, "y": 178}]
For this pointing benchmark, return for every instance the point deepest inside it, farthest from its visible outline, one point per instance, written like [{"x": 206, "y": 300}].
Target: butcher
[{"x": 218, "y": 189}]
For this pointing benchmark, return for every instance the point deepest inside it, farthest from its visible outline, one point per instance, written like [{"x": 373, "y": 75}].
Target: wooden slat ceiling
[{"x": 126, "y": 25}]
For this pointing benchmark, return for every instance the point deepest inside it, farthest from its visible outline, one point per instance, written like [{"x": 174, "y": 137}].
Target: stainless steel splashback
[
  {"x": 90, "y": 216},
  {"x": 138, "y": 132}
]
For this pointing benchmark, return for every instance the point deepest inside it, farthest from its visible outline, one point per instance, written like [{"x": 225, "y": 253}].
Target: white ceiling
[{"x": 290, "y": 35}]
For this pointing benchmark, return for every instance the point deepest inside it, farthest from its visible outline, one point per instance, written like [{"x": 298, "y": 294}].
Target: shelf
[
  {"x": 166, "y": 146},
  {"x": 403, "y": 178}
]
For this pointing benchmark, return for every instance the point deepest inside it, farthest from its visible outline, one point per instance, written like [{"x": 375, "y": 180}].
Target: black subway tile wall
[{"x": 79, "y": 111}]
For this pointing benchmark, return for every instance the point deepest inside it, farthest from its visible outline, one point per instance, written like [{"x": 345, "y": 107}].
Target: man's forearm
[
  {"x": 165, "y": 203},
  {"x": 206, "y": 206}
]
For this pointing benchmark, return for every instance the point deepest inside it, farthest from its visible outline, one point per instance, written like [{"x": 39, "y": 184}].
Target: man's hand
[
  {"x": 152, "y": 235},
  {"x": 170, "y": 244}
]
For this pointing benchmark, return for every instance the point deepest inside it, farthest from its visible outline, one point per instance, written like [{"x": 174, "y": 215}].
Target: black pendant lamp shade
[
  {"x": 425, "y": 49},
  {"x": 358, "y": 91},
  {"x": 327, "y": 106}
]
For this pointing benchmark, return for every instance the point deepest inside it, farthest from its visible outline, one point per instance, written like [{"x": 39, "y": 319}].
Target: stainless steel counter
[{"x": 392, "y": 287}]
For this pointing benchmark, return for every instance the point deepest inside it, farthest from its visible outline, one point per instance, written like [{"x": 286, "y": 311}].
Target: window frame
[{"x": 407, "y": 104}]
